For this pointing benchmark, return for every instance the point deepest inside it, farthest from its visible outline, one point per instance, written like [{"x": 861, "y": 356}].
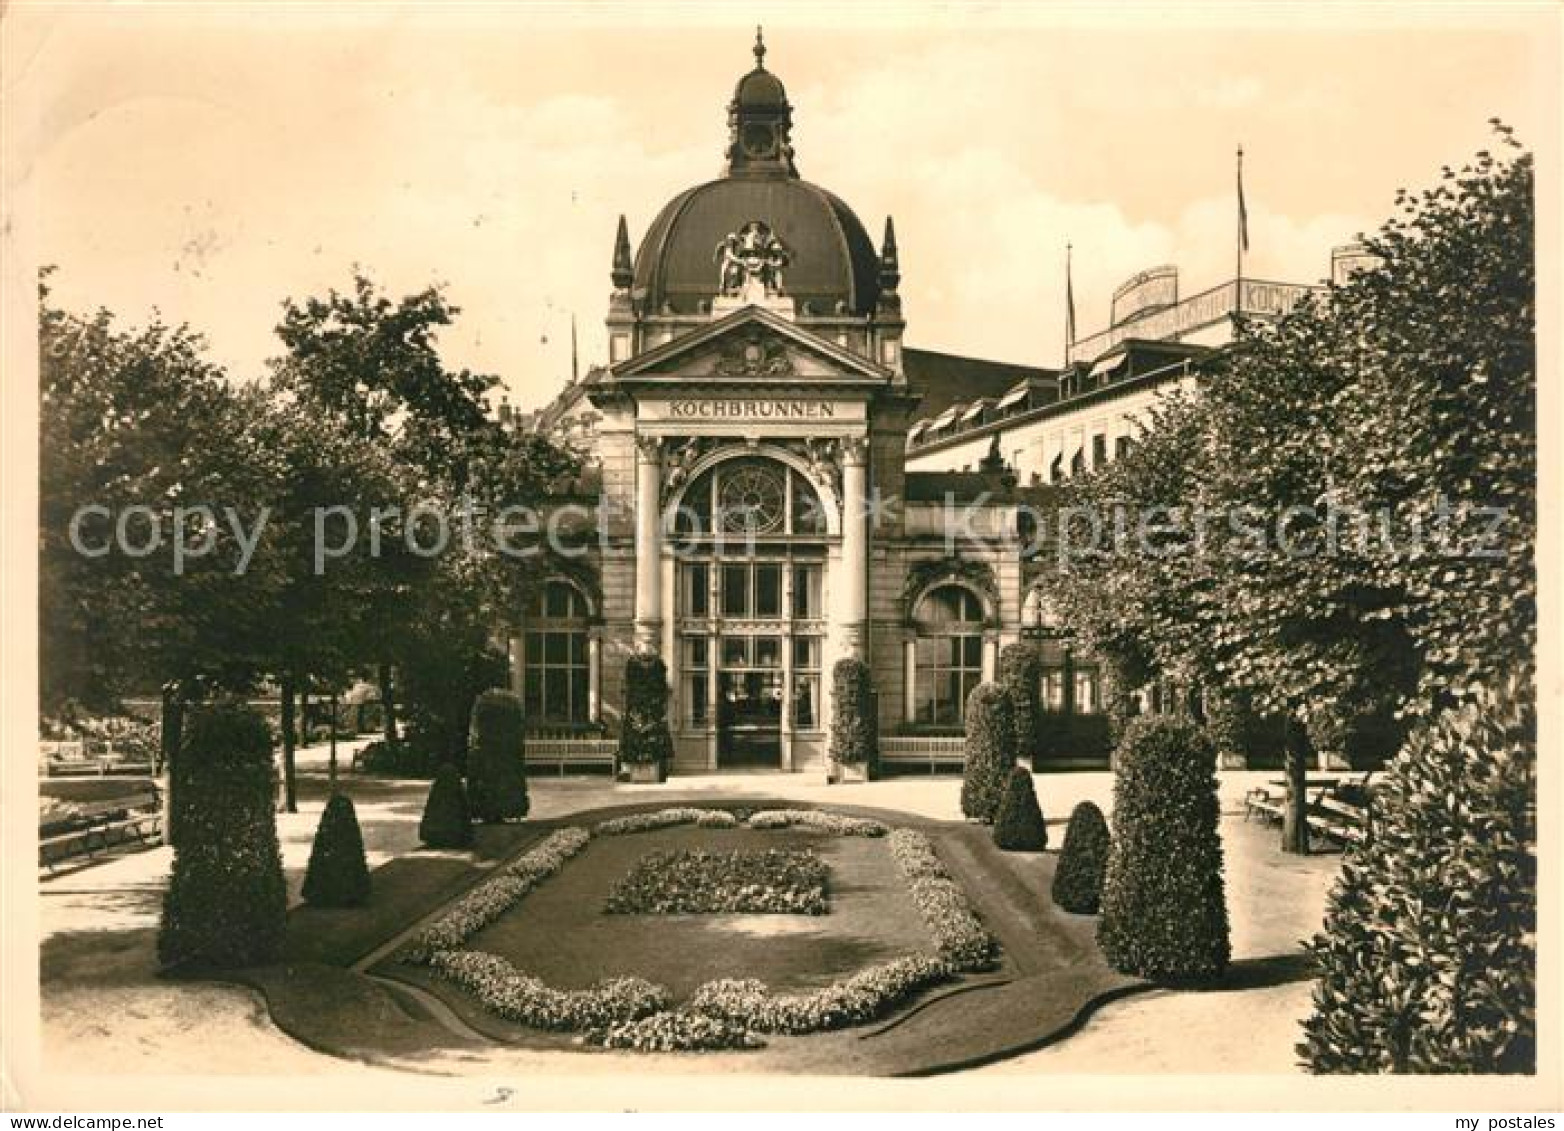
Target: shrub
[
  {"x": 226, "y": 903},
  {"x": 836, "y": 824},
  {"x": 338, "y": 875},
  {"x": 855, "y": 725},
  {"x": 1019, "y": 825},
  {"x": 496, "y": 772},
  {"x": 1428, "y": 954},
  {"x": 644, "y": 738},
  {"x": 1164, "y": 915},
  {"x": 447, "y": 822},
  {"x": 1083, "y": 861},
  {"x": 394, "y": 759},
  {"x": 1020, "y": 674},
  {"x": 990, "y": 732},
  {"x": 852, "y": 1001}
]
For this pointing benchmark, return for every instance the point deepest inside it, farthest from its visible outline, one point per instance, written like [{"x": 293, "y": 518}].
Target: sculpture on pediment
[
  {"x": 676, "y": 472},
  {"x": 756, "y": 354},
  {"x": 751, "y": 261}
]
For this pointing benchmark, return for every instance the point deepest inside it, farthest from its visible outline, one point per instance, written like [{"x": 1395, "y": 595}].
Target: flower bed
[
  {"x": 836, "y": 824},
  {"x": 632, "y": 1013},
  {"x": 959, "y": 935},
  {"x": 677, "y": 1030},
  {"x": 492, "y": 898},
  {"x": 692, "y": 882},
  {"x": 665, "y": 819},
  {"x": 852, "y": 1001},
  {"x": 508, "y": 993}
]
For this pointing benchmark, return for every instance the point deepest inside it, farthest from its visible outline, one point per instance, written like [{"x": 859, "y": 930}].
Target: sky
[{"x": 208, "y": 163}]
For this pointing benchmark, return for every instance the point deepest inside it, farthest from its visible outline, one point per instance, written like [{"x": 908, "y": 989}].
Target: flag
[
  {"x": 1069, "y": 300},
  {"x": 1243, "y": 211}
]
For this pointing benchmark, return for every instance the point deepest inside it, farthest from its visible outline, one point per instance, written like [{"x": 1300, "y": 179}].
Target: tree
[
  {"x": 1428, "y": 954},
  {"x": 447, "y": 819},
  {"x": 226, "y": 903},
  {"x": 1020, "y": 674},
  {"x": 1083, "y": 861},
  {"x": 371, "y": 366},
  {"x": 1019, "y": 824},
  {"x": 644, "y": 738},
  {"x": 497, "y": 774},
  {"x": 855, "y": 723},
  {"x": 1164, "y": 911},
  {"x": 990, "y": 755},
  {"x": 338, "y": 873}
]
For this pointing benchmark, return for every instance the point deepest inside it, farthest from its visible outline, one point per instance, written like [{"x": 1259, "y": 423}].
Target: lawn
[{"x": 561, "y": 934}]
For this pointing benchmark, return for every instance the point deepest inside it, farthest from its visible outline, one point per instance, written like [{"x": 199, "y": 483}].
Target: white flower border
[{"x": 633, "y": 1013}]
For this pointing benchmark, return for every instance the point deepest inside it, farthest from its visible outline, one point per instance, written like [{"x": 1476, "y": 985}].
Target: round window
[{"x": 752, "y": 499}]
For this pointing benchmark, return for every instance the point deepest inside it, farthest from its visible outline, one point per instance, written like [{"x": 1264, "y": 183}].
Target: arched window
[
  {"x": 949, "y": 658},
  {"x": 750, "y": 497},
  {"x": 556, "y": 679}
]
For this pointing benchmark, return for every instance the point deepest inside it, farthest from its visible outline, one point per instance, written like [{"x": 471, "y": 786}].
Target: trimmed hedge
[
  {"x": 447, "y": 820},
  {"x": 1020, "y": 674},
  {"x": 496, "y": 770},
  {"x": 644, "y": 738},
  {"x": 855, "y": 727},
  {"x": 226, "y": 903},
  {"x": 1083, "y": 861},
  {"x": 1019, "y": 826},
  {"x": 1428, "y": 954},
  {"x": 338, "y": 874},
  {"x": 990, "y": 755},
  {"x": 394, "y": 759},
  {"x": 1164, "y": 911}
]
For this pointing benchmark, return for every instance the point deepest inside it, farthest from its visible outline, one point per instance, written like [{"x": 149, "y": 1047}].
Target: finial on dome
[
  {"x": 760, "y": 48},
  {"x": 623, "y": 272}
]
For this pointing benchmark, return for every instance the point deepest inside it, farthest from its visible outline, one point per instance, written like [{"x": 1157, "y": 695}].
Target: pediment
[{"x": 751, "y": 345}]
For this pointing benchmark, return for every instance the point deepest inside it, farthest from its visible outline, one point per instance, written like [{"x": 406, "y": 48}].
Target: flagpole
[
  {"x": 1242, "y": 235},
  {"x": 1069, "y": 304}
]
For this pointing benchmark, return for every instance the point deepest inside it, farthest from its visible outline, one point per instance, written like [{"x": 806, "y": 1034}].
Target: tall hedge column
[
  {"x": 853, "y": 590},
  {"x": 648, "y": 543}
]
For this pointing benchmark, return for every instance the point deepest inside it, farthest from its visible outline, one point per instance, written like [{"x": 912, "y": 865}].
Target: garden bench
[
  {"x": 560, "y": 754},
  {"x": 97, "y": 828},
  {"x": 1339, "y": 820},
  {"x": 931, "y": 752}
]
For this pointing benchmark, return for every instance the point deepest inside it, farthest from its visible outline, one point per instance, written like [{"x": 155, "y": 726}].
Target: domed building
[{"x": 752, "y": 516}]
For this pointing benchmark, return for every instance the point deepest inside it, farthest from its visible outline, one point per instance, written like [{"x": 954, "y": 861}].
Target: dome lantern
[{"x": 760, "y": 123}]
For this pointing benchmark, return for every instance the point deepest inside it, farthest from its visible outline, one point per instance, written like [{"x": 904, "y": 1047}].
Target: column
[
  {"x": 517, "y": 665},
  {"x": 910, "y": 680},
  {"x": 853, "y": 594},
  {"x": 648, "y": 543},
  {"x": 595, "y": 676}
]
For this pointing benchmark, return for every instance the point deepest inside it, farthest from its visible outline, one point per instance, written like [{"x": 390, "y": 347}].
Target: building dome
[
  {"x": 831, "y": 264},
  {"x": 833, "y": 269}
]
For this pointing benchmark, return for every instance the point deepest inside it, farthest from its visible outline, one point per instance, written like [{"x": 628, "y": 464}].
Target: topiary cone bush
[
  {"x": 990, "y": 755},
  {"x": 447, "y": 821},
  {"x": 1164, "y": 912},
  {"x": 338, "y": 874},
  {"x": 855, "y": 727},
  {"x": 1020, "y": 674},
  {"x": 1019, "y": 825},
  {"x": 496, "y": 767},
  {"x": 226, "y": 903},
  {"x": 1083, "y": 861},
  {"x": 1428, "y": 954},
  {"x": 644, "y": 738}
]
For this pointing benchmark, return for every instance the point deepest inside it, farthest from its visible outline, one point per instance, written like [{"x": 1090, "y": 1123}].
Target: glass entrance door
[{"x": 749, "y": 702}]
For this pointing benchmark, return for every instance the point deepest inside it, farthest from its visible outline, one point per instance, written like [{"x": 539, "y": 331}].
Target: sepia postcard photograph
[{"x": 672, "y": 557}]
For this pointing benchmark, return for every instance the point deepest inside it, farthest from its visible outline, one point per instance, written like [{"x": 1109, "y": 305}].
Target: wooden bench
[
  {"x": 1339, "y": 820},
  {"x": 931, "y": 752},
  {"x": 560, "y": 754},
  {"x": 100, "y": 827}
]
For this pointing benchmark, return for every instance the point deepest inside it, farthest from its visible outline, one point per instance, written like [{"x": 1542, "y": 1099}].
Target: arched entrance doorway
[{"x": 750, "y": 550}]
